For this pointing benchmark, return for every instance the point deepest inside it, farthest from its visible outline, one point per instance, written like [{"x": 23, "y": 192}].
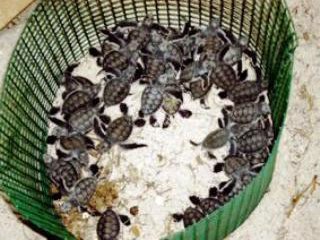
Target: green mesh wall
[{"x": 60, "y": 31}]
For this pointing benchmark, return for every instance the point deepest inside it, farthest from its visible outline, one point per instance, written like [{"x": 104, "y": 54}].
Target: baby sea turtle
[
  {"x": 63, "y": 174},
  {"x": 76, "y": 141},
  {"x": 154, "y": 67},
  {"x": 172, "y": 105},
  {"x": 115, "y": 61},
  {"x": 117, "y": 132},
  {"x": 258, "y": 158},
  {"x": 223, "y": 76},
  {"x": 79, "y": 99},
  {"x": 232, "y": 52},
  {"x": 233, "y": 165},
  {"x": 80, "y": 193},
  {"x": 213, "y": 41},
  {"x": 206, "y": 205},
  {"x": 151, "y": 100},
  {"x": 117, "y": 89},
  {"x": 241, "y": 173},
  {"x": 190, "y": 216},
  {"x": 108, "y": 227},
  {"x": 247, "y": 112},
  {"x": 199, "y": 88},
  {"x": 73, "y": 83},
  {"x": 246, "y": 91},
  {"x": 252, "y": 141},
  {"x": 215, "y": 139}
]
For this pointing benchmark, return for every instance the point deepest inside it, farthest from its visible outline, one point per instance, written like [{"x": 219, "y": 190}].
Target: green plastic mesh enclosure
[{"x": 60, "y": 31}]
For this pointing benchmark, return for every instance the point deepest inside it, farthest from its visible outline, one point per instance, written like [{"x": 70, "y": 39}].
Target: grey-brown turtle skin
[
  {"x": 247, "y": 91},
  {"x": 199, "y": 88},
  {"x": 247, "y": 112},
  {"x": 151, "y": 100},
  {"x": 115, "y": 60},
  {"x": 191, "y": 215},
  {"x": 73, "y": 142},
  {"x": 106, "y": 47},
  {"x": 209, "y": 205},
  {"x": 115, "y": 91},
  {"x": 72, "y": 83},
  {"x": 216, "y": 139},
  {"x": 234, "y": 164},
  {"x": 252, "y": 141},
  {"x": 108, "y": 227},
  {"x": 84, "y": 190},
  {"x": 154, "y": 68},
  {"x": 187, "y": 73},
  {"x": 119, "y": 129},
  {"x": 223, "y": 76}
]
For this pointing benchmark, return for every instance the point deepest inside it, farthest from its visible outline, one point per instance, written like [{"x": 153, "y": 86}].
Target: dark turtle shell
[
  {"x": 64, "y": 172},
  {"x": 119, "y": 129},
  {"x": 258, "y": 157},
  {"x": 108, "y": 227},
  {"x": 252, "y": 141},
  {"x": 245, "y": 112},
  {"x": 234, "y": 163},
  {"x": 84, "y": 190},
  {"x": 209, "y": 205},
  {"x": 191, "y": 215},
  {"x": 212, "y": 45},
  {"x": 154, "y": 67},
  {"x": 115, "y": 60},
  {"x": 75, "y": 101},
  {"x": 141, "y": 35},
  {"x": 216, "y": 139},
  {"x": 247, "y": 91},
  {"x": 223, "y": 76},
  {"x": 199, "y": 88},
  {"x": 115, "y": 91},
  {"x": 72, "y": 142}
]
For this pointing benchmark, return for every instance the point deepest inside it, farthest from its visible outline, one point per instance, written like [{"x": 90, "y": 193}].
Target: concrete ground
[{"x": 291, "y": 209}]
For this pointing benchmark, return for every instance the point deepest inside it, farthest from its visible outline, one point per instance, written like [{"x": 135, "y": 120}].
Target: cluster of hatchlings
[{"x": 170, "y": 63}]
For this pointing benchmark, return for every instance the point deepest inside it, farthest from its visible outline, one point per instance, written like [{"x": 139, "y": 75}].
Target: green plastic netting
[{"x": 59, "y": 32}]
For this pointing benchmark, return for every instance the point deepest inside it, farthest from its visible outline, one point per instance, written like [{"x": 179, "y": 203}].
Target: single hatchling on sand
[{"x": 108, "y": 227}]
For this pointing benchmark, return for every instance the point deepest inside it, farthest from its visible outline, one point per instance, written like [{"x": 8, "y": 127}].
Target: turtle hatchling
[
  {"x": 117, "y": 89},
  {"x": 108, "y": 227},
  {"x": 216, "y": 139},
  {"x": 80, "y": 193},
  {"x": 252, "y": 141},
  {"x": 151, "y": 100},
  {"x": 247, "y": 91},
  {"x": 206, "y": 205},
  {"x": 63, "y": 174},
  {"x": 223, "y": 76},
  {"x": 190, "y": 216},
  {"x": 247, "y": 112}
]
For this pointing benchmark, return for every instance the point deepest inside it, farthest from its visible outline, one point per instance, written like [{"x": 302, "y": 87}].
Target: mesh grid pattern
[{"x": 60, "y": 31}]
